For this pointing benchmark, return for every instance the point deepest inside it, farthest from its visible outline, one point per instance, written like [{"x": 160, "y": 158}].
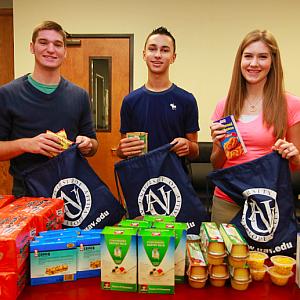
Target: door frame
[{"x": 74, "y": 39}]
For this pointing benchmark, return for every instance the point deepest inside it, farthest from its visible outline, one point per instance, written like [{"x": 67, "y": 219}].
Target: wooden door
[
  {"x": 6, "y": 75},
  {"x": 76, "y": 68}
]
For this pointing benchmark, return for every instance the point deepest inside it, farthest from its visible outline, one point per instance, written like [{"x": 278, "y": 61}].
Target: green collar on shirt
[{"x": 45, "y": 88}]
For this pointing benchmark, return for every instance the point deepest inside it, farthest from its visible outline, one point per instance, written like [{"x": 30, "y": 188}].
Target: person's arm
[
  {"x": 218, "y": 156},
  {"x": 289, "y": 148},
  {"x": 87, "y": 146},
  {"x": 187, "y": 146},
  {"x": 132, "y": 146},
  {"x": 43, "y": 144}
]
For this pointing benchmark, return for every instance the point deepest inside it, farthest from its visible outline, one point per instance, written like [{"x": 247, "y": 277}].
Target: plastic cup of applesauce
[
  {"x": 283, "y": 264},
  {"x": 256, "y": 260}
]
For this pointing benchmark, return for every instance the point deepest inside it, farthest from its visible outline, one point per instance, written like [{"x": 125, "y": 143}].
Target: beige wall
[{"x": 207, "y": 35}]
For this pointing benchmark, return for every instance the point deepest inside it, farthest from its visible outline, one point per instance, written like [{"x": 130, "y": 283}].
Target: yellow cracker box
[{"x": 235, "y": 243}]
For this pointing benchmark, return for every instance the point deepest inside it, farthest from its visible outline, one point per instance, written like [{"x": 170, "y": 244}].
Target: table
[{"x": 90, "y": 289}]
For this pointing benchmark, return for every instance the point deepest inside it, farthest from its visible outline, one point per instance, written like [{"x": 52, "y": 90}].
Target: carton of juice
[
  {"x": 180, "y": 246},
  {"x": 119, "y": 259},
  {"x": 156, "y": 250}
]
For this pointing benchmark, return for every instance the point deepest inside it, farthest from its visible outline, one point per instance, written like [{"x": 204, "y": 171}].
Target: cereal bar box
[{"x": 232, "y": 143}]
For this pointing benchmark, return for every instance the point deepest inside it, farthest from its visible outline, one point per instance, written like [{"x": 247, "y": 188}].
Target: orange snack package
[{"x": 6, "y": 199}]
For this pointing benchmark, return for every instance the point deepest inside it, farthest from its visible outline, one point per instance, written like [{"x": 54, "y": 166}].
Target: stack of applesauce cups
[
  {"x": 238, "y": 252},
  {"x": 281, "y": 270},
  {"x": 256, "y": 263}
]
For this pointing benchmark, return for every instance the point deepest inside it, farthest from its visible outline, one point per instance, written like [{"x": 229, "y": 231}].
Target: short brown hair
[
  {"x": 48, "y": 25},
  {"x": 163, "y": 31}
]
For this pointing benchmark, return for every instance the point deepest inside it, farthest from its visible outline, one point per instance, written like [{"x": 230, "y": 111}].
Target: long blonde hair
[{"x": 274, "y": 101}]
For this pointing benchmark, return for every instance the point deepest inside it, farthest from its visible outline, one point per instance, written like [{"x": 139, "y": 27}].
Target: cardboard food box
[
  {"x": 6, "y": 199},
  {"x": 135, "y": 223},
  {"x": 119, "y": 259},
  {"x": 53, "y": 260},
  {"x": 14, "y": 241},
  {"x": 156, "y": 251},
  {"x": 88, "y": 256},
  {"x": 232, "y": 143},
  {"x": 143, "y": 136},
  {"x": 180, "y": 246},
  {"x": 197, "y": 266},
  {"x": 159, "y": 218},
  {"x": 211, "y": 239},
  {"x": 235, "y": 243}
]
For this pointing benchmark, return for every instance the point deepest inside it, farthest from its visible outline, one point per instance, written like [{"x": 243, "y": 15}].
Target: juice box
[
  {"x": 53, "y": 260},
  {"x": 119, "y": 259},
  {"x": 180, "y": 246},
  {"x": 156, "y": 250}
]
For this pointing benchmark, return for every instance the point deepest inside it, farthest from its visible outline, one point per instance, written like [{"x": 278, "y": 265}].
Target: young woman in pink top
[{"x": 267, "y": 117}]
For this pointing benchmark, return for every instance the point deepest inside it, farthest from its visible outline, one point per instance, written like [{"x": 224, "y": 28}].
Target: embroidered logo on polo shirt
[{"x": 173, "y": 106}]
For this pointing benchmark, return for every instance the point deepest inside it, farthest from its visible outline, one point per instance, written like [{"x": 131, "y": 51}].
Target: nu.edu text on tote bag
[
  {"x": 155, "y": 183},
  {"x": 262, "y": 188},
  {"x": 88, "y": 201}
]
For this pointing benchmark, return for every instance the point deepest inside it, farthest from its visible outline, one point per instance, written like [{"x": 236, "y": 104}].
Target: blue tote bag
[
  {"x": 262, "y": 188},
  {"x": 88, "y": 201},
  {"x": 156, "y": 184}
]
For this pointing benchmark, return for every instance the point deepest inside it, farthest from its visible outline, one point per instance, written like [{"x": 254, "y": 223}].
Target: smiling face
[
  {"x": 49, "y": 49},
  {"x": 256, "y": 62},
  {"x": 159, "y": 53}
]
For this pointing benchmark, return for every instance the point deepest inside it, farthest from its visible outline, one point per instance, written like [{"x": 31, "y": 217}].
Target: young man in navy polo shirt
[{"x": 166, "y": 112}]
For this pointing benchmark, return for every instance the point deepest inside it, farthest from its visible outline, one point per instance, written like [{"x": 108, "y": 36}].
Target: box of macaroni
[
  {"x": 232, "y": 143},
  {"x": 53, "y": 260},
  {"x": 119, "y": 259},
  {"x": 156, "y": 251},
  {"x": 180, "y": 246}
]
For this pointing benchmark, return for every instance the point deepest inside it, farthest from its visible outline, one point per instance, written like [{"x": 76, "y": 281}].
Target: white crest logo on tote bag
[
  {"x": 260, "y": 221},
  {"x": 160, "y": 195},
  {"x": 73, "y": 192}
]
